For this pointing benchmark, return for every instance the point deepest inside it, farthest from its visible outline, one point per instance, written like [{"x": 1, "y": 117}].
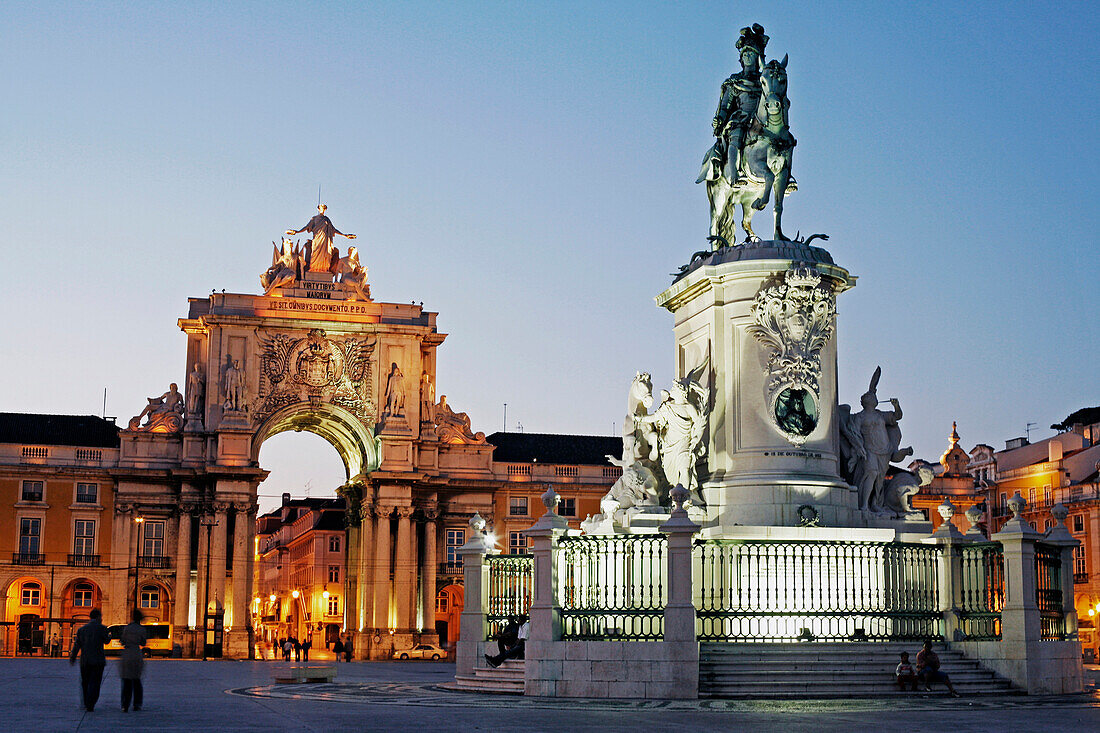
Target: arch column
[
  {"x": 182, "y": 594},
  {"x": 241, "y": 577},
  {"x": 428, "y": 565},
  {"x": 219, "y": 552},
  {"x": 382, "y": 568},
  {"x": 404, "y": 570}
]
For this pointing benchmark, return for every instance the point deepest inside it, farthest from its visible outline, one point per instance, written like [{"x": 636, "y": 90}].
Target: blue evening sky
[{"x": 527, "y": 170}]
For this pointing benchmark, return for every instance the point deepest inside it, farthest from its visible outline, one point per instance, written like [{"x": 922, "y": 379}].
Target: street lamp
[
  {"x": 139, "y": 521},
  {"x": 209, "y": 522}
]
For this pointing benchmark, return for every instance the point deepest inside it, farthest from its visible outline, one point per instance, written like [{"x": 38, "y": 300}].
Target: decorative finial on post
[
  {"x": 550, "y": 499},
  {"x": 1059, "y": 512},
  {"x": 946, "y": 509},
  {"x": 1016, "y": 505},
  {"x": 678, "y": 495},
  {"x": 477, "y": 522},
  {"x": 974, "y": 516}
]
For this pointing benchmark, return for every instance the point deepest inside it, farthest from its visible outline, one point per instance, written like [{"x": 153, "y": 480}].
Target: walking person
[
  {"x": 89, "y": 645},
  {"x": 306, "y": 646},
  {"x": 338, "y": 648},
  {"x": 131, "y": 663},
  {"x": 347, "y": 649}
]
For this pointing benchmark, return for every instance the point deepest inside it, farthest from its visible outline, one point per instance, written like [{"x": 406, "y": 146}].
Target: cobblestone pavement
[{"x": 42, "y": 695}]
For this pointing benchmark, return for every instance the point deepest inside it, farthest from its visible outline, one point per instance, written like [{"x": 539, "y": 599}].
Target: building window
[
  {"x": 84, "y": 537},
  {"x": 333, "y": 544},
  {"x": 333, "y": 605},
  {"x": 517, "y": 543},
  {"x": 1031, "y": 498},
  {"x": 441, "y": 602},
  {"x": 82, "y": 595},
  {"x": 30, "y": 535},
  {"x": 1032, "y": 525},
  {"x": 33, "y": 490},
  {"x": 568, "y": 508},
  {"x": 334, "y": 573},
  {"x": 30, "y": 594},
  {"x": 456, "y": 538},
  {"x": 1047, "y": 525},
  {"x": 1078, "y": 522},
  {"x": 1078, "y": 561},
  {"x": 150, "y": 596},
  {"x": 1004, "y": 500},
  {"x": 517, "y": 506},
  {"x": 87, "y": 493},
  {"x": 154, "y": 540}
]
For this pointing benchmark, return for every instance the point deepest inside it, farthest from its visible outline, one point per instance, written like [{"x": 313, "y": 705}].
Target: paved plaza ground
[{"x": 42, "y": 695}]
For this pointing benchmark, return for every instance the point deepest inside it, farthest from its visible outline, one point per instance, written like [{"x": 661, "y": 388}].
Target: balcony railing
[
  {"x": 1080, "y": 578},
  {"x": 450, "y": 568},
  {"x": 154, "y": 561},
  {"x": 84, "y": 561},
  {"x": 28, "y": 558}
]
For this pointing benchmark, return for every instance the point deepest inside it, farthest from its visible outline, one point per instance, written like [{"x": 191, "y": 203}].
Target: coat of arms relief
[
  {"x": 793, "y": 317},
  {"x": 316, "y": 369}
]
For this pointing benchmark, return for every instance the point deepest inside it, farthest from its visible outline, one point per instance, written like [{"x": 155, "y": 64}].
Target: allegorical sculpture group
[
  {"x": 318, "y": 254},
  {"x": 661, "y": 450}
]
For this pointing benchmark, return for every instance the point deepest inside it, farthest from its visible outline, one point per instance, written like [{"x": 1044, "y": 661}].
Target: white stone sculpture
[
  {"x": 901, "y": 486},
  {"x": 353, "y": 275},
  {"x": 395, "y": 392},
  {"x": 162, "y": 414},
  {"x": 427, "y": 398},
  {"x": 454, "y": 427},
  {"x": 680, "y": 422},
  {"x": 793, "y": 317},
  {"x": 196, "y": 389},
  {"x": 871, "y": 439},
  {"x": 285, "y": 267},
  {"x": 234, "y": 387}
]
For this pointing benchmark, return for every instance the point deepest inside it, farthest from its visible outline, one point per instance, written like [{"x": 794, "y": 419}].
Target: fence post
[
  {"x": 545, "y": 612},
  {"x": 949, "y": 575},
  {"x": 1060, "y": 537},
  {"x": 1020, "y": 628},
  {"x": 679, "y": 611},
  {"x": 475, "y": 579}
]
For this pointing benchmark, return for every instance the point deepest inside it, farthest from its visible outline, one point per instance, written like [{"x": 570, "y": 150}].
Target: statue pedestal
[{"x": 756, "y": 471}]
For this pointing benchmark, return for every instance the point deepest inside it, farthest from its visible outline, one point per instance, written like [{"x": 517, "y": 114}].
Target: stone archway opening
[{"x": 354, "y": 442}]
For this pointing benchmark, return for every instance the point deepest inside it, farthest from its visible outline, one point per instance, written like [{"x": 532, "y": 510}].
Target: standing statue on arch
[
  {"x": 750, "y": 162},
  {"x": 323, "y": 256}
]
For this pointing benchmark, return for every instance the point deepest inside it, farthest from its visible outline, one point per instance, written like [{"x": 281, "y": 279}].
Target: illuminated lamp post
[{"x": 209, "y": 522}]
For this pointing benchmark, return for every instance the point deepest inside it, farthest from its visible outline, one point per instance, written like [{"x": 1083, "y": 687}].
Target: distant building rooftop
[
  {"x": 587, "y": 450},
  {"x": 79, "y": 430}
]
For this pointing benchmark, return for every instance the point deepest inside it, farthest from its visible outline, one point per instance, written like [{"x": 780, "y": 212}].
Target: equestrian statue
[{"x": 750, "y": 161}]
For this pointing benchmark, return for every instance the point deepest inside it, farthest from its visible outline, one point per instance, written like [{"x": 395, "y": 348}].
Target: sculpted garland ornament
[{"x": 793, "y": 317}]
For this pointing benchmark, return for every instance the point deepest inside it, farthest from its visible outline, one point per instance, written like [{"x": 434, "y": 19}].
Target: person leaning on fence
[
  {"x": 928, "y": 669},
  {"x": 89, "y": 645},
  {"x": 905, "y": 674},
  {"x": 511, "y": 641}
]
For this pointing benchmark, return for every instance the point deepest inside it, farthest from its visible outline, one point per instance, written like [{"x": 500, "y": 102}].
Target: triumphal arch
[{"x": 313, "y": 352}]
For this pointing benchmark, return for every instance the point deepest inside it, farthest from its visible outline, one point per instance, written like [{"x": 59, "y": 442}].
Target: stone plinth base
[
  {"x": 234, "y": 644},
  {"x": 907, "y": 530},
  {"x": 775, "y": 501}
]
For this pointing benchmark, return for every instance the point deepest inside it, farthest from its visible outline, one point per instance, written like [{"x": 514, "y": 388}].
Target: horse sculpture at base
[{"x": 766, "y": 167}]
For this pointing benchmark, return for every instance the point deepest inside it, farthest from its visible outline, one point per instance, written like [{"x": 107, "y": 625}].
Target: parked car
[{"x": 420, "y": 651}]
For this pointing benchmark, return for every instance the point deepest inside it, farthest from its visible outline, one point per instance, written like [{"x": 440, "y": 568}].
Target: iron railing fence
[
  {"x": 982, "y": 593},
  {"x": 1048, "y": 592},
  {"x": 510, "y": 590},
  {"x": 613, "y": 587},
  {"x": 773, "y": 591}
]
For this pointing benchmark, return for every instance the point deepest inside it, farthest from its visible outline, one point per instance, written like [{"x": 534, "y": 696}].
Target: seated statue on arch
[{"x": 163, "y": 414}]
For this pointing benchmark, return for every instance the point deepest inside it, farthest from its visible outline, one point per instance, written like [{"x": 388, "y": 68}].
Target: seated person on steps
[
  {"x": 905, "y": 674},
  {"x": 928, "y": 669},
  {"x": 511, "y": 642}
]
